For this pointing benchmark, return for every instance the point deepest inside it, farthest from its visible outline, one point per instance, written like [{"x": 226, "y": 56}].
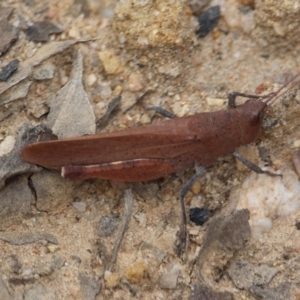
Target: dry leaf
[{"x": 71, "y": 113}]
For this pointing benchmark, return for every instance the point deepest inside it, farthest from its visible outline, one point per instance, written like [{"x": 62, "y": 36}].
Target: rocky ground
[{"x": 93, "y": 67}]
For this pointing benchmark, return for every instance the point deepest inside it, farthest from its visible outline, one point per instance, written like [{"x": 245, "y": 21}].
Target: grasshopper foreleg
[{"x": 233, "y": 95}]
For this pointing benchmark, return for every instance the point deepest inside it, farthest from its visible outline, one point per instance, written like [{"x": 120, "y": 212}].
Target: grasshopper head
[{"x": 251, "y": 116}]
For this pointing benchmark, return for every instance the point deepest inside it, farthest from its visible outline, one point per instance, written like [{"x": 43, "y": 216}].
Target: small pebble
[
  {"x": 142, "y": 218},
  {"x": 118, "y": 90},
  {"x": 108, "y": 12},
  {"x": 135, "y": 82},
  {"x": 45, "y": 71},
  {"x": 91, "y": 79},
  {"x": 145, "y": 119},
  {"x": 64, "y": 80},
  {"x": 111, "y": 279},
  {"x": 122, "y": 39},
  {"x": 39, "y": 110},
  {"x": 297, "y": 143},
  {"x": 215, "y": 101},
  {"x": 7, "y": 145},
  {"x": 105, "y": 92},
  {"x": 136, "y": 272},
  {"x": 248, "y": 22},
  {"x": 27, "y": 272},
  {"x": 74, "y": 33},
  {"x": 232, "y": 16},
  {"x": 80, "y": 206},
  {"x": 176, "y": 108},
  {"x": 196, "y": 188},
  {"x": 52, "y": 248},
  {"x": 168, "y": 280},
  {"x": 110, "y": 61},
  {"x": 177, "y": 97},
  {"x": 180, "y": 110},
  {"x": 143, "y": 40}
]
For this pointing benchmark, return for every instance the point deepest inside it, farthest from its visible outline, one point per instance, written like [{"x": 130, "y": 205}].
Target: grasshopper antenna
[{"x": 292, "y": 83}]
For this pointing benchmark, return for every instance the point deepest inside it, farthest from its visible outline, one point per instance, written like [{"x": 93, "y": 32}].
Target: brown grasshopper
[{"x": 154, "y": 151}]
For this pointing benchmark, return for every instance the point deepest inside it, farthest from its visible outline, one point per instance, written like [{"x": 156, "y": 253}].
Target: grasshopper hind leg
[
  {"x": 182, "y": 237},
  {"x": 136, "y": 170}
]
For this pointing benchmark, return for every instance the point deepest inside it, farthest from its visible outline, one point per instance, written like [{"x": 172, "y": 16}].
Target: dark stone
[
  {"x": 9, "y": 69},
  {"x": 208, "y": 21},
  {"x": 199, "y": 215}
]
